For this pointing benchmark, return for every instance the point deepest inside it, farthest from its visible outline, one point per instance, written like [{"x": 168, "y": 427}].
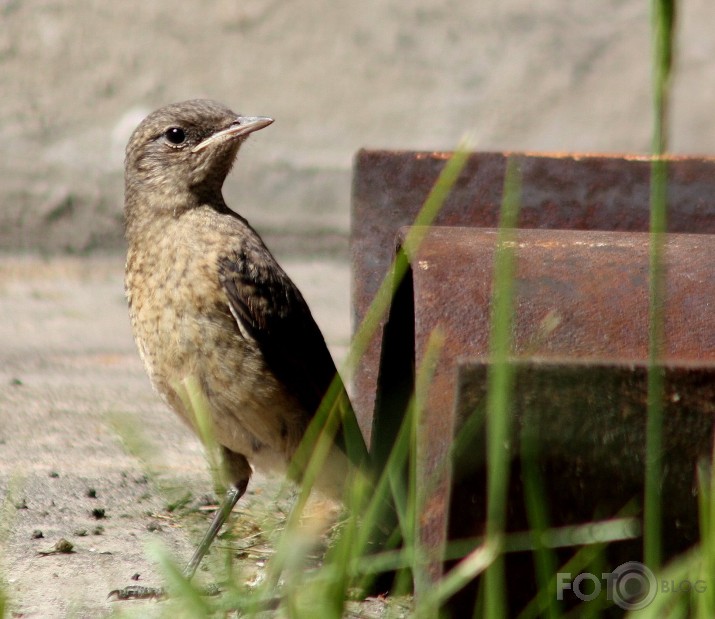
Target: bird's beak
[{"x": 243, "y": 125}]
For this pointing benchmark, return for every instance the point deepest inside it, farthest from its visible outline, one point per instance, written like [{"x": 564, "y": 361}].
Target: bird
[{"x": 208, "y": 302}]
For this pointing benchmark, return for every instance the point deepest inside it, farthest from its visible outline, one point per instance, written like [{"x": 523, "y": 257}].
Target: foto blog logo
[{"x": 631, "y": 586}]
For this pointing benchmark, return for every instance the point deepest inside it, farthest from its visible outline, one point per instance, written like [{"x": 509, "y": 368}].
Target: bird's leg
[
  {"x": 229, "y": 500},
  {"x": 240, "y": 471}
]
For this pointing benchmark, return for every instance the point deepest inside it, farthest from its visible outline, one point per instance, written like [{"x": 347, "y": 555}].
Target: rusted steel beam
[
  {"x": 573, "y": 192},
  {"x": 579, "y": 296}
]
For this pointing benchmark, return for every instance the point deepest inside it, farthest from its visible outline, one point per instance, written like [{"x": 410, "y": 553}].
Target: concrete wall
[{"x": 547, "y": 75}]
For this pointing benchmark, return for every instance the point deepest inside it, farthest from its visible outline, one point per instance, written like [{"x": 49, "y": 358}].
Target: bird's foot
[{"x": 137, "y": 592}]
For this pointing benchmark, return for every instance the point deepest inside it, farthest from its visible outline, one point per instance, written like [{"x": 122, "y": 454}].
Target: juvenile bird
[{"x": 208, "y": 302}]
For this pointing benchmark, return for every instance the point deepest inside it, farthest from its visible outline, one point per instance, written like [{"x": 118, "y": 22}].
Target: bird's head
[{"x": 185, "y": 150}]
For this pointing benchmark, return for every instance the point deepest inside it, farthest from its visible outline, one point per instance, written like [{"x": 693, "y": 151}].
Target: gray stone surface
[{"x": 545, "y": 75}]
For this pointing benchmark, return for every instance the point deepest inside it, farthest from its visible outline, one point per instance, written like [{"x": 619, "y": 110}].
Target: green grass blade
[
  {"x": 705, "y": 602},
  {"x": 193, "y": 604},
  {"x": 197, "y": 404},
  {"x": 537, "y": 512},
  {"x": 663, "y": 23},
  {"x": 425, "y": 218},
  {"x": 7, "y": 517},
  {"x": 312, "y": 453},
  {"x": 499, "y": 386}
]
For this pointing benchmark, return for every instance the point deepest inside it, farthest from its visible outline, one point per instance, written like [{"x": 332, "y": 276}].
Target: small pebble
[{"x": 37, "y": 534}]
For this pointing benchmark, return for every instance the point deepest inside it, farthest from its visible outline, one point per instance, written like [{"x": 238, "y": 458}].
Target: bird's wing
[{"x": 270, "y": 309}]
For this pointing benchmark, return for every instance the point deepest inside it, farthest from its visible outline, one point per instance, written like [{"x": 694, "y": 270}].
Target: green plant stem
[
  {"x": 500, "y": 379},
  {"x": 663, "y": 20}
]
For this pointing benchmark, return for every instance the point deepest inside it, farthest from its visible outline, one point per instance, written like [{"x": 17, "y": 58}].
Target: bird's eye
[{"x": 175, "y": 135}]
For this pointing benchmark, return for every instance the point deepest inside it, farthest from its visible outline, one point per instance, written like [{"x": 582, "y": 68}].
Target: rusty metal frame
[{"x": 579, "y": 192}]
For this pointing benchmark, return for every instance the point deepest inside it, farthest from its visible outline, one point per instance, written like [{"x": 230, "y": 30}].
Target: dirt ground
[{"x": 88, "y": 453}]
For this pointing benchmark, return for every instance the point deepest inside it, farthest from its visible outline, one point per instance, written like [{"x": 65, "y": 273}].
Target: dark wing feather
[{"x": 272, "y": 310}]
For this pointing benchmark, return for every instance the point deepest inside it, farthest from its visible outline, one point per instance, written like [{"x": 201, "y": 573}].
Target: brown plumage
[{"x": 208, "y": 300}]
